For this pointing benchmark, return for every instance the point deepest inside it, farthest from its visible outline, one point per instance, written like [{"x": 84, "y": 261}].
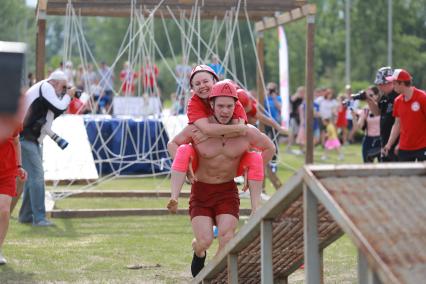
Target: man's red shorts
[
  {"x": 8, "y": 186},
  {"x": 214, "y": 199}
]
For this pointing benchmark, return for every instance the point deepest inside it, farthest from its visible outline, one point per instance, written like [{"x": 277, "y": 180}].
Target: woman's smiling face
[{"x": 202, "y": 84}]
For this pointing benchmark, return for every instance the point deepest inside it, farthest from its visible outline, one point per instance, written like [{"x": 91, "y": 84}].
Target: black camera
[
  {"x": 362, "y": 95},
  {"x": 62, "y": 143},
  {"x": 78, "y": 93},
  {"x": 346, "y": 103}
]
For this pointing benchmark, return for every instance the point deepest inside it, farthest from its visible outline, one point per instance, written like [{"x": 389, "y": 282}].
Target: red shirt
[
  {"x": 247, "y": 101},
  {"x": 76, "y": 106},
  {"x": 8, "y": 161},
  {"x": 197, "y": 108},
  {"x": 412, "y": 119}
]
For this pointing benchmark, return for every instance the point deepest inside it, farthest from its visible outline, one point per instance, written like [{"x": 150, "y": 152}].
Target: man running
[{"x": 214, "y": 196}]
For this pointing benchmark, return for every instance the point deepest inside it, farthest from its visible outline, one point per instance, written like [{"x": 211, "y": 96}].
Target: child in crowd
[{"x": 332, "y": 141}]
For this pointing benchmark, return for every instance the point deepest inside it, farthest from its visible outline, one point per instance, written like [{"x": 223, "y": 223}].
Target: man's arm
[
  {"x": 183, "y": 137},
  {"x": 262, "y": 142},
  {"x": 271, "y": 122},
  {"x": 277, "y": 102},
  {"x": 54, "y": 103},
  {"x": 372, "y": 103},
  {"x": 22, "y": 174},
  {"x": 216, "y": 130},
  {"x": 358, "y": 121},
  {"x": 396, "y": 128}
]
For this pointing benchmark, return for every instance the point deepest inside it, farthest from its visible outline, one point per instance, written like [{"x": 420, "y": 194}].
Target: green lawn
[{"x": 99, "y": 250}]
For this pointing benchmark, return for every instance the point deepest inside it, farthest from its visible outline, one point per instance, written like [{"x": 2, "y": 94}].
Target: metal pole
[
  {"x": 390, "y": 24},
  {"x": 348, "y": 42}
]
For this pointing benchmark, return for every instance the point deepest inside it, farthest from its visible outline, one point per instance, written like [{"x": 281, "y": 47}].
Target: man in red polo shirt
[{"x": 410, "y": 118}]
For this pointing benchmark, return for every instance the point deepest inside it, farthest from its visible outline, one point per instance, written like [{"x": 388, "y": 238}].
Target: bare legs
[
  {"x": 202, "y": 226},
  {"x": 5, "y": 201}
]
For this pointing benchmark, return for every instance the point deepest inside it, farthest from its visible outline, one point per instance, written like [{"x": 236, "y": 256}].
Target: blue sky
[{"x": 31, "y": 3}]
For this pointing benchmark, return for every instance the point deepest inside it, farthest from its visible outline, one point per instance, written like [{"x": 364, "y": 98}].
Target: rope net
[{"x": 135, "y": 144}]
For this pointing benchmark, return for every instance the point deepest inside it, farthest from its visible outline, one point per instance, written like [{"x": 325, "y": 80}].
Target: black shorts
[{"x": 411, "y": 156}]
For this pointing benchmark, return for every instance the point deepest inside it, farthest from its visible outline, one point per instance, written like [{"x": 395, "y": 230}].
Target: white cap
[{"x": 58, "y": 76}]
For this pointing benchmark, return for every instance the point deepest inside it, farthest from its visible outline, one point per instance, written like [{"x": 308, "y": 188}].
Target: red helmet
[
  {"x": 243, "y": 97},
  {"x": 224, "y": 89},
  {"x": 202, "y": 68}
]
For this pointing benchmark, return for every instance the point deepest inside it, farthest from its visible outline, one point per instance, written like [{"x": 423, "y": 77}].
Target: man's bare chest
[{"x": 229, "y": 147}]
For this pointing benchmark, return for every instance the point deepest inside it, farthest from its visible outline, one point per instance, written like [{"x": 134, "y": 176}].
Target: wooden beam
[
  {"x": 260, "y": 84},
  {"x": 347, "y": 225},
  {"x": 362, "y": 268},
  {"x": 94, "y": 213},
  {"x": 364, "y": 170},
  {"x": 309, "y": 83},
  {"x": 311, "y": 241},
  {"x": 232, "y": 268},
  {"x": 285, "y": 18},
  {"x": 257, "y": 9},
  {"x": 40, "y": 39},
  {"x": 267, "y": 274},
  {"x": 119, "y": 194}
]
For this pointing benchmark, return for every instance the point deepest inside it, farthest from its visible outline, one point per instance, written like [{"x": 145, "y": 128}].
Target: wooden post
[
  {"x": 267, "y": 274},
  {"x": 233, "y": 268},
  {"x": 41, "y": 39},
  {"x": 259, "y": 69},
  {"x": 310, "y": 233},
  {"x": 310, "y": 34},
  {"x": 362, "y": 268}
]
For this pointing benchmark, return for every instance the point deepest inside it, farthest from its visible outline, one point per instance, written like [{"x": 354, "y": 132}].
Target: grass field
[{"x": 100, "y": 250}]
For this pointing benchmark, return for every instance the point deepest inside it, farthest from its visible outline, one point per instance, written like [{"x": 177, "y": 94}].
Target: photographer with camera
[
  {"x": 370, "y": 123},
  {"x": 384, "y": 107},
  {"x": 410, "y": 119},
  {"x": 44, "y": 101}
]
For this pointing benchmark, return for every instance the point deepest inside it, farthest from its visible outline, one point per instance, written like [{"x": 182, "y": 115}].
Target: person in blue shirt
[
  {"x": 273, "y": 103},
  {"x": 217, "y": 67}
]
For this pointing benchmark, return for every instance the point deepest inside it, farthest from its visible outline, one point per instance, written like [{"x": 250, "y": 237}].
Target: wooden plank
[
  {"x": 256, "y": 9},
  {"x": 40, "y": 48},
  {"x": 119, "y": 193},
  {"x": 93, "y": 213},
  {"x": 232, "y": 268},
  {"x": 260, "y": 84},
  {"x": 287, "y": 17},
  {"x": 382, "y": 169},
  {"x": 362, "y": 268},
  {"x": 267, "y": 275},
  {"x": 309, "y": 82},
  {"x": 311, "y": 242},
  {"x": 347, "y": 226}
]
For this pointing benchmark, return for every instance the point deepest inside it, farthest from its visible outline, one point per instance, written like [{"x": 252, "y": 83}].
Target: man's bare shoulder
[{"x": 253, "y": 131}]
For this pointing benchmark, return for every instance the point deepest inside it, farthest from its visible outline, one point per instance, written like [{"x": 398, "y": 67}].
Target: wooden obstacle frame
[{"x": 319, "y": 204}]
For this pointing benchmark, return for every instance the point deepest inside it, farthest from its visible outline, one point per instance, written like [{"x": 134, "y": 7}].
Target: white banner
[{"x": 284, "y": 77}]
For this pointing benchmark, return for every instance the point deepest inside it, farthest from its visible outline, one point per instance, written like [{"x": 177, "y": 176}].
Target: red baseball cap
[{"x": 399, "y": 75}]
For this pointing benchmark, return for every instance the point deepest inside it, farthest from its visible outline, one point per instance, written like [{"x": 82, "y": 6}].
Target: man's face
[
  {"x": 202, "y": 84},
  {"x": 59, "y": 86},
  {"x": 398, "y": 87},
  {"x": 385, "y": 88},
  {"x": 223, "y": 108}
]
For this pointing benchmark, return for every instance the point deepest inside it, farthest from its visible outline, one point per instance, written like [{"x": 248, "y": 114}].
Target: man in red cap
[
  {"x": 410, "y": 118},
  {"x": 214, "y": 195}
]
